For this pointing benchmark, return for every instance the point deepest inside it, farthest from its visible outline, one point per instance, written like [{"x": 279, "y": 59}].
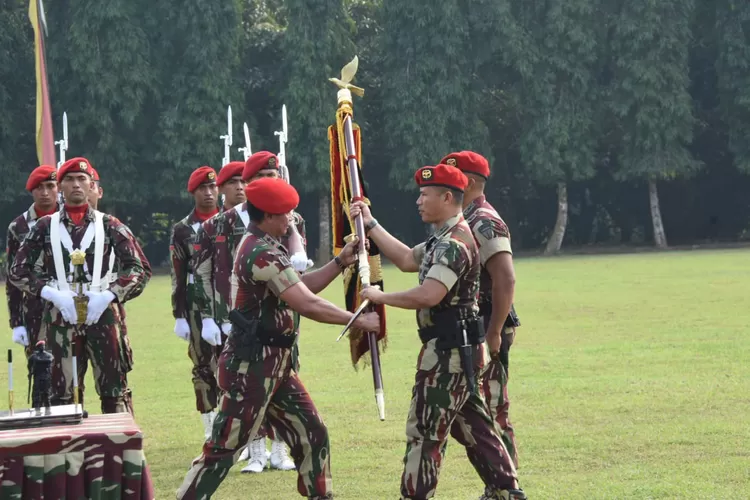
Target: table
[{"x": 99, "y": 459}]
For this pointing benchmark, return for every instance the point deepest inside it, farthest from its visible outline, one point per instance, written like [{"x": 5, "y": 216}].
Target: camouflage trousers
[
  {"x": 441, "y": 404},
  {"x": 101, "y": 344},
  {"x": 494, "y": 388},
  {"x": 201, "y": 353},
  {"x": 83, "y": 360},
  {"x": 268, "y": 388}
]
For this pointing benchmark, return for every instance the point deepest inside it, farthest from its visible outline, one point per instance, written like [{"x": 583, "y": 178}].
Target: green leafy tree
[{"x": 650, "y": 95}]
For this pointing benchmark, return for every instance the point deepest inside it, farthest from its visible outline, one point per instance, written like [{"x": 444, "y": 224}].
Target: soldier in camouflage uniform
[
  {"x": 452, "y": 335},
  {"x": 496, "y": 286},
  {"x": 188, "y": 321},
  {"x": 25, "y": 311},
  {"x": 216, "y": 244},
  {"x": 257, "y": 371},
  {"x": 34, "y": 271},
  {"x": 96, "y": 194}
]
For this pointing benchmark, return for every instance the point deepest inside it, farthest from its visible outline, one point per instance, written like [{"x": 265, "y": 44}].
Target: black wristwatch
[
  {"x": 371, "y": 225},
  {"x": 339, "y": 262}
]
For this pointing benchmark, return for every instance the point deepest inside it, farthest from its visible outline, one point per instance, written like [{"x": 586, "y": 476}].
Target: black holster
[{"x": 252, "y": 337}]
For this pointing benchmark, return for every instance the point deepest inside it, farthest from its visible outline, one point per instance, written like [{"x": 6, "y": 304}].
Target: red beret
[
  {"x": 75, "y": 165},
  {"x": 441, "y": 175},
  {"x": 262, "y": 160},
  {"x": 272, "y": 195},
  {"x": 39, "y": 175},
  {"x": 200, "y": 175},
  {"x": 96, "y": 174},
  {"x": 231, "y": 169},
  {"x": 468, "y": 161}
]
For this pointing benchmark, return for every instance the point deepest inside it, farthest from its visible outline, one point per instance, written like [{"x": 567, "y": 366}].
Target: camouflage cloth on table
[
  {"x": 265, "y": 386},
  {"x": 441, "y": 402},
  {"x": 23, "y": 309},
  {"x": 99, "y": 459},
  {"x": 492, "y": 237},
  {"x": 185, "y": 306},
  {"x": 34, "y": 267}
]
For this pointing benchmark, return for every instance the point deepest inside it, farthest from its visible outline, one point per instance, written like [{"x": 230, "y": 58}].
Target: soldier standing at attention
[
  {"x": 496, "y": 285},
  {"x": 257, "y": 372},
  {"x": 68, "y": 250},
  {"x": 25, "y": 311},
  {"x": 444, "y": 395},
  {"x": 202, "y": 185}
]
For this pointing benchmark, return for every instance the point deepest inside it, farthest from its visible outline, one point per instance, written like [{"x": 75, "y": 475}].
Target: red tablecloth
[{"x": 100, "y": 458}]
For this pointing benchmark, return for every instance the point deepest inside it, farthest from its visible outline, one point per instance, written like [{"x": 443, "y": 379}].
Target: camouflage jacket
[
  {"x": 181, "y": 247},
  {"x": 213, "y": 260},
  {"x": 451, "y": 257},
  {"x": 262, "y": 272},
  {"x": 492, "y": 236},
  {"x": 34, "y": 266},
  {"x": 23, "y": 309}
]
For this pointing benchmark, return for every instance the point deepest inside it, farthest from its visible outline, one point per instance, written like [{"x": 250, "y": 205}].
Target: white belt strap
[
  {"x": 54, "y": 239},
  {"x": 245, "y": 218},
  {"x": 96, "y": 278},
  {"x": 59, "y": 237}
]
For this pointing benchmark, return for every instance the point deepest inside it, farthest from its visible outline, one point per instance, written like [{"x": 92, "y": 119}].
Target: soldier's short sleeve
[
  {"x": 418, "y": 252},
  {"x": 448, "y": 262},
  {"x": 275, "y": 269},
  {"x": 492, "y": 237}
]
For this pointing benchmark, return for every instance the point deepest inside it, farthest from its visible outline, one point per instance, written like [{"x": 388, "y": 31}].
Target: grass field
[{"x": 630, "y": 378}]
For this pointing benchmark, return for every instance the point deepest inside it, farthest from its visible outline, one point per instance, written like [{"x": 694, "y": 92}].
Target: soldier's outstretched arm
[
  {"x": 22, "y": 274},
  {"x": 395, "y": 251},
  {"x": 202, "y": 263},
  {"x": 428, "y": 294},
  {"x": 131, "y": 275},
  {"x": 309, "y": 305},
  {"x": 13, "y": 294},
  {"x": 316, "y": 281},
  {"x": 178, "y": 271}
]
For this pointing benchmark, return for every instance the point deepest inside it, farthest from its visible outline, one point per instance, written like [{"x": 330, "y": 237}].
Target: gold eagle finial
[{"x": 347, "y": 75}]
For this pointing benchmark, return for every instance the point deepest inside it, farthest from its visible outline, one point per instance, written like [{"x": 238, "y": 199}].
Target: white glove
[
  {"x": 182, "y": 329},
  {"x": 20, "y": 336},
  {"x": 98, "y": 303},
  {"x": 210, "y": 332},
  {"x": 226, "y": 328},
  {"x": 63, "y": 301},
  {"x": 300, "y": 262}
]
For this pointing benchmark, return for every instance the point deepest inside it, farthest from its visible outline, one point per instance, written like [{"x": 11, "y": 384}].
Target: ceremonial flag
[
  {"x": 45, "y": 142},
  {"x": 343, "y": 227}
]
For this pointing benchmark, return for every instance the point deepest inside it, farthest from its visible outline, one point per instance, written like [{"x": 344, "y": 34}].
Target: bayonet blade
[
  {"x": 247, "y": 139},
  {"x": 229, "y": 125},
  {"x": 283, "y": 122},
  {"x": 65, "y": 128}
]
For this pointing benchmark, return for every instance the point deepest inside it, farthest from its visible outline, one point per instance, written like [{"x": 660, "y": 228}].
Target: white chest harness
[{"x": 59, "y": 237}]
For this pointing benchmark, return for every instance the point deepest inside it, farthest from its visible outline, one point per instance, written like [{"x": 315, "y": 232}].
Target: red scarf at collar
[
  {"x": 203, "y": 217},
  {"x": 76, "y": 214},
  {"x": 41, "y": 213}
]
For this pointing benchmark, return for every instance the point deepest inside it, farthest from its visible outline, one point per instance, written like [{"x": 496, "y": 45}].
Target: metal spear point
[{"x": 283, "y": 170}]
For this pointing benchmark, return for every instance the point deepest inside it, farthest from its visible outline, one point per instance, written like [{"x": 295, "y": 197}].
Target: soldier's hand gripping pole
[{"x": 10, "y": 380}]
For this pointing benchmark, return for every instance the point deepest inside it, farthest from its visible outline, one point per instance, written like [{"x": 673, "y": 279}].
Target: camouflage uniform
[
  {"x": 267, "y": 385},
  {"x": 214, "y": 251},
  {"x": 492, "y": 236},
  {"x": 34, "y": 268},
  {"x": 82, "y": 361},
  {"x": 441, "y": 402},
  {"x": 182, "y": 245},
  {"x": 24, "y": 309}
]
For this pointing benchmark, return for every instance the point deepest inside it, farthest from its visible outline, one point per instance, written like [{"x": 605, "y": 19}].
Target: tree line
[{"x": 606, "y": 122}]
